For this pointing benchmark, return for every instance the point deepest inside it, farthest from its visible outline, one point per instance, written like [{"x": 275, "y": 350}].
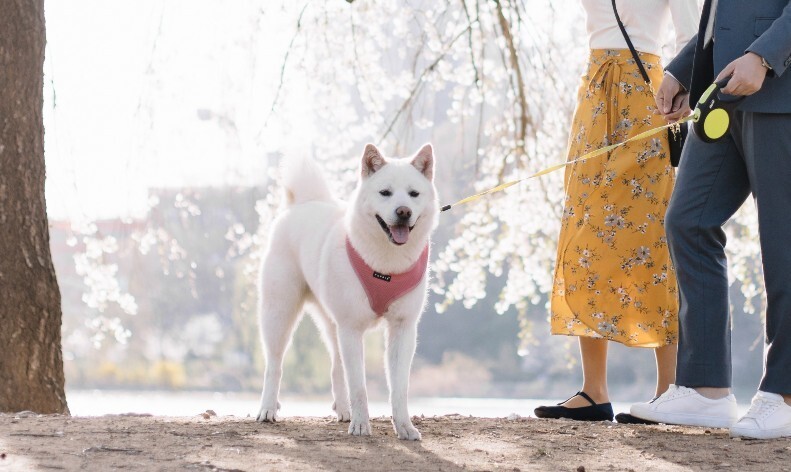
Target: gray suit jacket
[{"x": 741, "y": 26}]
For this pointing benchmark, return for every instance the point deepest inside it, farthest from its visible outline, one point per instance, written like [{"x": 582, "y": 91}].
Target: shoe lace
[
  {"x": 760, "y": 408},
  {"x": 674, "y": 391}
]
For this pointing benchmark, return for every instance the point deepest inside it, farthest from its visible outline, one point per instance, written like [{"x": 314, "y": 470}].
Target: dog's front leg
[
  {"x": 352, "y": 354},
  {"x": 401, "y": 341}
]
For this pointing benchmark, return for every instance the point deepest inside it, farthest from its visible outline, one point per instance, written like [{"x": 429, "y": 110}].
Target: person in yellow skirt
[{"x": 614, "y": 280}]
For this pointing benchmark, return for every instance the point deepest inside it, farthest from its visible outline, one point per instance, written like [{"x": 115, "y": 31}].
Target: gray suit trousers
[{"x": 713, "y": 182}]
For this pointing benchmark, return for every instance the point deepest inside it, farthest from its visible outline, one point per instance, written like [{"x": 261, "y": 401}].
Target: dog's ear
[
  {"x": 372, "y": 160},
  {"x": 424, "y": 161}
]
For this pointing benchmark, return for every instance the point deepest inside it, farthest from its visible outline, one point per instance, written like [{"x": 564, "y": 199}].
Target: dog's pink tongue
[{"x": 400, "y": 233}]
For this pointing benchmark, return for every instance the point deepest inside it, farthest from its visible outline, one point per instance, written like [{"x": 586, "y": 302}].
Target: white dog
[{"x": 354, "y": 266}]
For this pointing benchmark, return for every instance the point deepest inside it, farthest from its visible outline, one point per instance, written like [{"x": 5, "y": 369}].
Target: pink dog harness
[{"x": 382, "y": 289}]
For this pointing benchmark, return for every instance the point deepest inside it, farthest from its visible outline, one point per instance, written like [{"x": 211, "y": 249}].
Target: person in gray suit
[{"x": 750, "y": 42}]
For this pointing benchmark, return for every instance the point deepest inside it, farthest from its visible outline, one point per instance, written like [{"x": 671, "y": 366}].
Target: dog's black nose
[{"x": 403, "y": 213}]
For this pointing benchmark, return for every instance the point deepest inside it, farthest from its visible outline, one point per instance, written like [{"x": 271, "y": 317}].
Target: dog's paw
[
  {"x": 360, "y": 428},
  {"x": 344, "y": 413},
  {"x": 267, "y": 414},
  {"x": 406, "y": 431}
]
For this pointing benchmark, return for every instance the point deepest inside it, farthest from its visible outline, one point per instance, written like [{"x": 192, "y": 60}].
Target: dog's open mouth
[{"x": 398, "y": 234}]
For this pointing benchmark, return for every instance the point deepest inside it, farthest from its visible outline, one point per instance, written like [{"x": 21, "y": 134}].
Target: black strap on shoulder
[{"x": 629, "y": 43}]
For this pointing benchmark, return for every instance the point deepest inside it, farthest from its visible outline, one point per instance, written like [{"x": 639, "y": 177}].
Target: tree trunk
[{"x": 31, "y": 362}]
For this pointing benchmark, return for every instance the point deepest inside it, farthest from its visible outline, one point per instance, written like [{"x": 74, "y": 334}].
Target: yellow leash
[{"x": 585, "y": 157}]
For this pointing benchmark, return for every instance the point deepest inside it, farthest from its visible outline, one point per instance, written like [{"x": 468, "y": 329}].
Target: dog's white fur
[{"x": 306, "y": 263}]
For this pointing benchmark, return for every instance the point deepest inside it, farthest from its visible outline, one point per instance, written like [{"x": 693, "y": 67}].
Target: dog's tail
[{"x": 303, "y": 181}]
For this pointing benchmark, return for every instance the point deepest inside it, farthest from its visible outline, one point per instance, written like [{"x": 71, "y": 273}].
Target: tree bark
[{"x": 31, "y": 361}]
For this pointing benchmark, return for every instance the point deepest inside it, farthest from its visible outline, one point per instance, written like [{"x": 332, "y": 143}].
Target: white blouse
[{"x": 647, "y": 23}]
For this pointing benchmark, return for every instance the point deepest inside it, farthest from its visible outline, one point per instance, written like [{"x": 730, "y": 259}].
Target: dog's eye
[
  {"x": 414, "y": 194},
  {"x": 385, "y": 193}
]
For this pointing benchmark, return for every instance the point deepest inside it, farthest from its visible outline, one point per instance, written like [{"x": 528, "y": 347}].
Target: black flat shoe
[
  {"x": 595, "y": 412},
  {"x": 626, "y": 418}
]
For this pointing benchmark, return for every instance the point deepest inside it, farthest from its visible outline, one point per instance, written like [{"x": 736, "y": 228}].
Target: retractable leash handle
[{"x": 713, "y": 114}]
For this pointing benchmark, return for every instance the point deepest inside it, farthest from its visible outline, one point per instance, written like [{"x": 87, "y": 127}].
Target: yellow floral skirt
[{"x": 613, "y": 276}]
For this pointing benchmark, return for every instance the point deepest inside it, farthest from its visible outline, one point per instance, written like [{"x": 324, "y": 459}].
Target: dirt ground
[{"x": 450, "y": 443}]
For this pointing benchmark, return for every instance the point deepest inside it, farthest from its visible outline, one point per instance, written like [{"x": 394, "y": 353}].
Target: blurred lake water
[{"x": 163, "y": 403}]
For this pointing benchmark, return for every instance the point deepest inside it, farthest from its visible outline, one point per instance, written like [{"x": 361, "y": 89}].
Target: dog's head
[{"x": 396, "y": 197}]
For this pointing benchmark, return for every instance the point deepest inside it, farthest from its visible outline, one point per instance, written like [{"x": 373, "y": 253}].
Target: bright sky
[{"x": 144, "y": 93}]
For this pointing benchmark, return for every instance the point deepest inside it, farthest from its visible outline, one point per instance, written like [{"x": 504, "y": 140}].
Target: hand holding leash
[{"x": 747, "y": 75}]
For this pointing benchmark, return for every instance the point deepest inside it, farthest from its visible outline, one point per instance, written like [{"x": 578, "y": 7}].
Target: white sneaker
[
  {"x": 769, "y": 417},
  {"x": 682, "y": 405}
]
